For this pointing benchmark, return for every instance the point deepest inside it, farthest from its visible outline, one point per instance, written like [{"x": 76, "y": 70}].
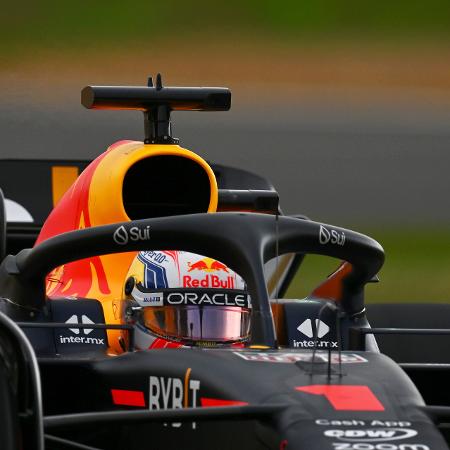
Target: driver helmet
[{"x": 178, "y": 298}]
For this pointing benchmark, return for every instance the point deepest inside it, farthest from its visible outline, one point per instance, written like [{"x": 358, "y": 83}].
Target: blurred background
[{"x": 344, "y": 106}]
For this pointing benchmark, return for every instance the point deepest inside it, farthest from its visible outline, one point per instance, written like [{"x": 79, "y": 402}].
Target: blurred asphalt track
[{"x": 335, "y": 162}]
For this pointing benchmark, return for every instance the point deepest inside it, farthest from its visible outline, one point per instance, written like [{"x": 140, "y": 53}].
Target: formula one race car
[{"x": 287, "y": 374}]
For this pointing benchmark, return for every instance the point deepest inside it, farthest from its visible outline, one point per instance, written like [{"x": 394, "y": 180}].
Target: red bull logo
[
  {"x": 209, "y": 281},
  {"x": 208, "y": 265}
]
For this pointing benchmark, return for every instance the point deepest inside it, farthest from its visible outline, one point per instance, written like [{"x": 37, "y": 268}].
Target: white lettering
[
  {"x": 219, "y": 299},
  {"x": 337, "y": 423},
  {"x": 177, "y": 397},
  {"x": 372, "y": 434},
  {"x": 177, "y": 393},
  {"x": 121, "y": 236},
  {"x": 331, "y": 236},
  {"x": 153, "y": 402},
  {"x": 194, "y": 386},
  {"x": 364, "y": 446},
  {"x": 177, "y": 300},
  {"x": 206, "y": 299},
  {"x": 168, "y": 393},
  {"x": 134, "y": 234},
  {"x": 165, "y": 388},
  {"x": 81, "y": 340},
  {"x": 310, "y": 344}
]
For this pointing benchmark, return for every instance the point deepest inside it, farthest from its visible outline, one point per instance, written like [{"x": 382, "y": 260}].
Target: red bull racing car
[{"x": 142, "y": 306}]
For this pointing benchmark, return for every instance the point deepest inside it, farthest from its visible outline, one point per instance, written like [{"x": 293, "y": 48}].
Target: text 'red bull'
[{"x": 211, "y": 281}]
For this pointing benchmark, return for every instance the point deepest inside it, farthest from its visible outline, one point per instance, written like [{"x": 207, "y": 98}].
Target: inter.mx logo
[
  {"x": 311, "y": 329},
  {"x": 306, "y": 328},
  {"x": 77, "y": 331}
]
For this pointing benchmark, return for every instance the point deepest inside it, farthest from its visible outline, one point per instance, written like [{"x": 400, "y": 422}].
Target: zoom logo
[
  {"x": 331, "y": 236},
  {"x": 364, "y": 446},
  {"x": 122, "y": 236}
]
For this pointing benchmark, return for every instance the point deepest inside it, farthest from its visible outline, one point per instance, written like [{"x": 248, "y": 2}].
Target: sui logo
[
  {"x": 331, "y": 236},
  {"x": 121, "y": 236}
]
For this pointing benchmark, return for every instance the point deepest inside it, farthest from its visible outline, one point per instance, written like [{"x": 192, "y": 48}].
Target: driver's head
[{"x": 177, "y": 298}]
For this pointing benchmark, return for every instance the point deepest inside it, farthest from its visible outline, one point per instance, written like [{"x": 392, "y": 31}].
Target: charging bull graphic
[{"x": 207, "y": 265}]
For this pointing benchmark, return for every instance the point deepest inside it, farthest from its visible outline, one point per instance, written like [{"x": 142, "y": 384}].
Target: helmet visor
[{"x": 198, "y": 323}]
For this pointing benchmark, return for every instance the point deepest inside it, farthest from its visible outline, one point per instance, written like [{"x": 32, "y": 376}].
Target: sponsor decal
[
  {"x": 84, "y": 319},
  {"x": 306, "y": 328},
  {"x": 371, "y": 434},
  {"x": 207, "y": 265},
  {"x": 212, "y": 281},
  {"x": 80, "y": 339},
  {"x": 208, "y": 298},
  {"x": 310, "y": 344},
  {"x": 171, "y": 392},
  {"x": 175, "y": 393},
  {"x": 363, "y": 423},
  {"x": 384, "y": 446},
  {"x": 346, "y": 397},
  {"x": 275, "y": 357},
  {"x": 147, "y": 299},
  {"x": 309, "y": 328},
  {"x": 331, "y": 236},
  {"x": 186, "y": 297},
  {"x": 122, "y": 236}
]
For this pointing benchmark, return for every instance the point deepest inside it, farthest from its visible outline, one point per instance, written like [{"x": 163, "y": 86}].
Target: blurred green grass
[
  {"x": 25, "y": 26},
  {"x": 417, "y": 267}
]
